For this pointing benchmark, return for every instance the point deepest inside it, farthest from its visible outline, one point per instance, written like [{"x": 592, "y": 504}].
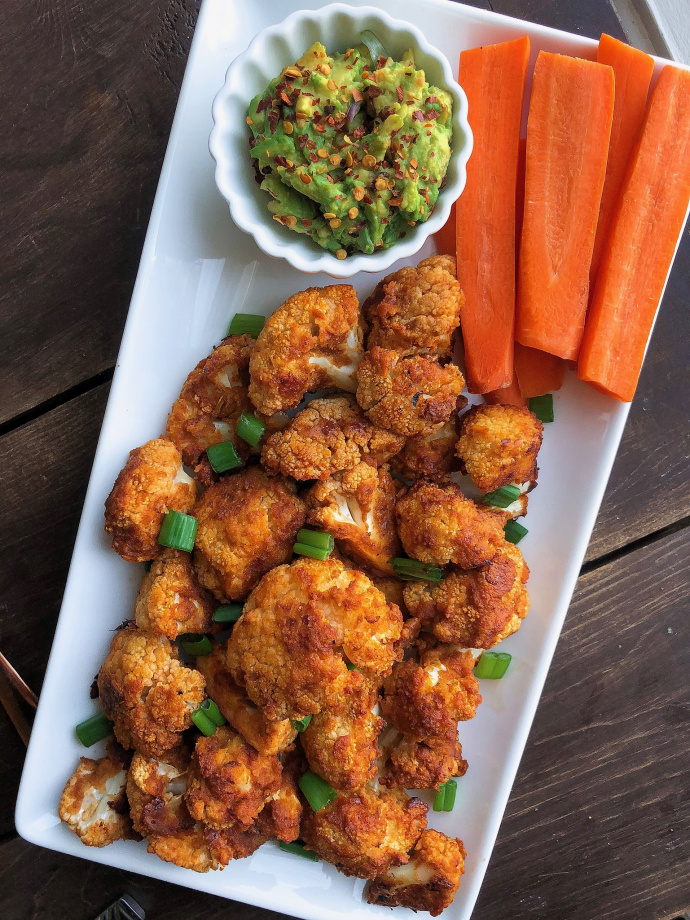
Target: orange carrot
[
  {"x": 506, "y": 396},
  {"x": 494, "y": 79},
  {"x": 633, "y": 71},
  {"x": 520, "y": 198},
  {"x": 639, "y": 250},
  {"x": 568, "y": 133},
  {"x": 537, "y": 372},
  {"x": 445, "y": 237}
]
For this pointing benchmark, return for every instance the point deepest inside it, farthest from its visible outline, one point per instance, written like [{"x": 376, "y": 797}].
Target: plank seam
[{"x": 635, "y": 545}]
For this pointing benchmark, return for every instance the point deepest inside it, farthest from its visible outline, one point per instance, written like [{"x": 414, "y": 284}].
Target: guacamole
[{"x": 352, "y": 151}]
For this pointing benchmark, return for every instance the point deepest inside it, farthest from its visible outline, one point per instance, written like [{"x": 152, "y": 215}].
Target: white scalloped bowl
[{"x": 338, "y": 27}]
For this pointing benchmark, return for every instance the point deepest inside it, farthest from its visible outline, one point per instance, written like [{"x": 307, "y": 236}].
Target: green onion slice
[
  {"x": 196, "y": 644},
  {"x": 542, "y": 406},
  {"x": 178, "y": 531},
  {"x": 93, "y": 729},
  {"x": 413, "y": 570},
  {"x": 373, "y": 45},
  {"x": 246, "y": 324},
  {"x": 249, "y": 428},
  {"x": 223, "y": 457},
  {"x": 203, "y": 723},
  {"x": 502, "y": 497},
  {"x": 316, "y": 538},
  {"x": 300, "y": 724},
  {"x": 228, "y": 613},
  {"x": 514, "y": 532},
  {"x": 492, "y": 665},
  {"x": 350, "y": 666},
  {"x": 444, "y": 800},
  {"x": 317, "y": 791},
  {"x": 212, "y": 712},
  {"x": 302, "y": 549},
  {"x": 298, "y": 850}
]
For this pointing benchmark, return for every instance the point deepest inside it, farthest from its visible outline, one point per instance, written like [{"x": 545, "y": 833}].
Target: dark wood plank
[{"x": 584, "y": 17}]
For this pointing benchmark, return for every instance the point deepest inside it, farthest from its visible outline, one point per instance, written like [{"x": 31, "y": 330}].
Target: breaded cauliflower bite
[
  {"x": 171, "y": 601},
  {"x": 422, "y": 764},
  {"x": 151, "y": 483},
  {"x": 357, "y": 507},
  {"x": 311, "y": 342},
  {"x": 438, "y": 525},
  {"x": 410, "y": 395},
  {"x": 147, "y": 692},
  {"x": 327, "y": 437},
  {"x": 366, "y": 832},
  {"x": 247, "y": 525},
  {"x": 94, "y": 804},
  {"x": 432, "y": 456},
  {"x": 416, "y": 310},
  {"x": 428, "y": 881},
  {"x": 213, "y": 397},
  {"x": 478, "y": 608}
]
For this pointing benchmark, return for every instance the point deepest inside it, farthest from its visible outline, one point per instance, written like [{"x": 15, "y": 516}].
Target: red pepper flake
[
  {"x": 432, "y": 114},
  {"x": 374, "y": 91},
  {"x": 348, "y": 67},
  {"x": 384, "y": 220},
  {"x": 398, "y": 174},
  {"x": 285, "y": 98},
  {"x": 418, "y": 115},
  {"x": 280, "y": 161},
  {"x": 431, "y": 153},
  {"x": 265, "y": 103},
  {"x": 320, "y": 128},
  {"x": 357, "y": 96},
  {"x": 359, "y": 132},
  {"x": 331, "y": 120},
  {"x": 367, "y": 200},
  {"x": 316, "y": 117},
  {"x": 311, "y": 145},
  {"x": 302, "y": 140},
  {"x": 273, "y": 117},
  {"x": 399, "y": 91},
  {"x": 430, "y": 99},
  {"x": 306, "y": 222},
  {"x": 313, "y": 157},
  {"x": 330, "y": 179}
]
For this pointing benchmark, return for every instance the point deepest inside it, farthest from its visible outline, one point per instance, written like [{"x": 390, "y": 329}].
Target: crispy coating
[
  {"x": 213, "y": 397},
  {"x": 410, "y": 395},
  {"x": 94, "y": 804},
  {"x": 499, "y": 445},
  {"x": 437, "y": 524},
  {"x": 357, "y": 507},
  {"x": 171, "y": 601},
  {"x": 287, "y": 648},
  {"x": 151, "y": 483},
  {"x": 283, "y": 811},
  {"x": 328, "y": 436},
  {"x": 428, "y": 881},
  {"x": 247, "y": 525},
  {"x": 366, "y": 832},
  {"x": 423, "y": 764},
  {"x": 417, "y": 309},
  {"x": 475, "y": 609},
  {"x": 244, "y": 716},
  {"x": 431, "y": 457},
  {"x": 147, "y": 692},
  {"x": 311, "y": 342}
]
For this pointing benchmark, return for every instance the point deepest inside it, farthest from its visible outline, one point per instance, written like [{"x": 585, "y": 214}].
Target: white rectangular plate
[{"x": 196, "y": 271}]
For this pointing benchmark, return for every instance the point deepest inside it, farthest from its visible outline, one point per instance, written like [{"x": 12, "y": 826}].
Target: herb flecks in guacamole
[{"x": 351, "y": 151}]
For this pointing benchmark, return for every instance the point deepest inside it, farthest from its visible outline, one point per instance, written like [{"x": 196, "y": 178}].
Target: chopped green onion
[
  {"x": 196, "y": 644},
  {"x": 373, "y": 45},
  {"x": 249, "y": 428},
  {"x": 203, "y": 723},
  {"x": 413, "y": 570},
  {"x": 298, "y": 850},
  {"x": 316, "y": 538},
  {"x": 147, "y": 565},
  {"x": 502, "y": 497},
  {"x": 492, "y": 665},
  {"x": 350, "y": 666},
  {"x": 514, "y": 532},
  {"x": 178, "y": 531},
  {"x": 303, "y": 550},
  {"x": 300, "y": 724},
  {"x": 228, "y": 613},
  {"x": 246, "y": 323},
  {"x": 542, "y": 406},
  {"x": 94, "y": 729},
  {"x": 223, "y": 457},
  {"x": 212, "y": 712},
  {"x": 444, "y": 800},
  {"x": 317, "y": 791}
]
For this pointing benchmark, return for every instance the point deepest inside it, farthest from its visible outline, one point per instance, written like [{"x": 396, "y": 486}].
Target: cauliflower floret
[
  {"x": 213, "y": 397},
  {"x": 357, "y": 507},
  {"x": 430, "y": 457},
  {"x": 366, "y": 832},
  {"x": 236, "y": 842},
  {"x": 247, "y": 525},
  {"x": 475, "y": 609},
  {"x": 422, "y": 764},
  {"x": 428, "y": 881},
  {"x": 266, "y": 736},
  {"x": 408, "y": 394},
  {"x": 93, "y": 803},
  {"x": 170, "y": 600},
  {"x": 329, "y": 436},
  {"x": 147, "y": 692},
  {"x": 437, "y": 524},
  {"x": 288, "y": 646},
  {"x": 311, "y": 342},
  {"x": 151, "y": 483},
  {"x": 416, "y": 310}
]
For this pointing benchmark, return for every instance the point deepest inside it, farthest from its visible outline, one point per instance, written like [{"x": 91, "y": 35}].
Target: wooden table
[{"x": 598, "y": 822}]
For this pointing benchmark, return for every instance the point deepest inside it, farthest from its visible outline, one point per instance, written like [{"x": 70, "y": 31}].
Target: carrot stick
[
  {"x": 445, "y": 237},
  {"x": 642, "y": 241},
  {"x": 506, "y": 396},
  {"x": 568, "y": 133},
  {"x": 520, "y": 199},
  {"x": 537, "y": 372},
  {"x": 633, "y": 71},
  {"x": 494, "y": 79}
]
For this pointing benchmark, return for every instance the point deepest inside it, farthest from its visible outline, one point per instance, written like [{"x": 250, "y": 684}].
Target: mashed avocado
[{"x": 352, "y": 151}]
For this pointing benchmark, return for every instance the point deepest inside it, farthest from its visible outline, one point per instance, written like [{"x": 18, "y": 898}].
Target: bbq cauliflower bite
[
  {"x": 357, "y": 507},
  {"x": 423, "y": 764},
  {"x": 416, "y": 310},
  {"x": 428, "y": 881},
  {"x": 151, "y": 483},
  {"x": 327, "y": 437},
  {"x": 311, "y": 342},
  {"x": 247, "y": 525},
  {"x": 475, "y": 609},
  {"x": 431, "y": 457},
  {"x": 147, "y": 692},
  {"x": 289, "y": 645},
  {"x": 213, "y": 397},
  {"x": 366, "y": 832},
  {"x": 437, "y": 524},
  {"x": 170, "y": 600},
  {"x": 408, "y": 394}
]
